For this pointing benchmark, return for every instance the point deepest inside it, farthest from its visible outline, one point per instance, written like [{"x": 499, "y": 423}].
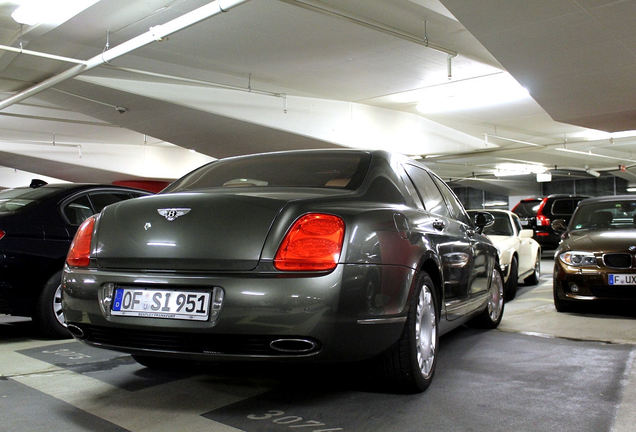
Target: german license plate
[
  {"x": 149, "y": 303},
  {"x": 622, "y": 279}
]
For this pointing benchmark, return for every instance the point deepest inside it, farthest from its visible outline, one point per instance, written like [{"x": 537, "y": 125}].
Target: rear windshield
[
  {"x": 340, "y": 170},
  {"x": 527, "y": 208},
  {"x": 605, "y": 215},
  {"x": 12, "y": 200}
]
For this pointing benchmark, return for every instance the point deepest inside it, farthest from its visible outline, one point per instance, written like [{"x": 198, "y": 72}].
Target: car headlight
[{"x": 578, "y": 259}]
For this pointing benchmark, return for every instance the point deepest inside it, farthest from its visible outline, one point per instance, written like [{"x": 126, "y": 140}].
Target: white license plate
[
  {"x": 622, "y": 279},
  {"x": 524, "y": 223},
  {"x": 150, "y": 303}
]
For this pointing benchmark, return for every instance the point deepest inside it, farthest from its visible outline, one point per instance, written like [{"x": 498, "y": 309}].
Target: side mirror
[
  {"x": 526, "y": 233},
  {"x": 559, "y": 226},
  {"x": 483, "y": 220}
]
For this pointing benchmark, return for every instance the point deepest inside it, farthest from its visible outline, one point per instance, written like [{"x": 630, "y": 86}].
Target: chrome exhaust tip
[
  {"x": 293, "y": 346},
  {"x": 76, "y": 331}
]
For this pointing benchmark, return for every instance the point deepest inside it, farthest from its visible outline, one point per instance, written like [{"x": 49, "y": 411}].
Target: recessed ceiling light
[
  {"x": 55, "y": 12},
  {"x": 481, "y": 92}
]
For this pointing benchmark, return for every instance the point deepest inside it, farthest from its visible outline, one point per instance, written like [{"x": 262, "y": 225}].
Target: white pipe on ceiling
[
  {"x": 153, "y": 34},
  {"x": 317, "y": 7},
  {"x": 21, "y": 50}
]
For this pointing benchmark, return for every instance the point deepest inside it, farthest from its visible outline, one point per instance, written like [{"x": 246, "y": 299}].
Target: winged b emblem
[{"x": 172, "y": 213}]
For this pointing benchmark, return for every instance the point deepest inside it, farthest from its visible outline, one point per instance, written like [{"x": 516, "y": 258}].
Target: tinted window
[
  {"x": 431, "y": 196},
  {"x": 563, "y": 207},
  {"x": 77, "y": 210},
  {"x": 528, "y": 208},
  {"x": 102, "y": 199},
  {"x": 341, "y": 170},
  {"x": 15, "y": 199},
  {"x": 456, "y": 208}
]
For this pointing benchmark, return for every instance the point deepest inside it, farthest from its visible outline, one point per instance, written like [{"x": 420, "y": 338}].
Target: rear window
[
  {"x": 12, "y": 200},
  {"x": 340, "y": 170},
  {"x": 527, "y": 208}
]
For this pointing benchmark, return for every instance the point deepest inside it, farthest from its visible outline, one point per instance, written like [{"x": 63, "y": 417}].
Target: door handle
[{"x": 438, "y": 224}]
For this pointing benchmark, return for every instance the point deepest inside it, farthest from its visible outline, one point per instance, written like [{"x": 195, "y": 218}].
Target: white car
[{"x": 519, "y": 254}]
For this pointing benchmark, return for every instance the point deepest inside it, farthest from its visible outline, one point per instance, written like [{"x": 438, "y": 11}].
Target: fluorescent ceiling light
[
  {"x": 54, "y": 12},
  {"x": 589, "y": 153},
  {"x": 595, "y": 135},
  {"x": 495, "y": 203},
  {"x": 514, "y": 169},
  {"x": 487, "y": 91},
  {"x": 631, "y": 189}
]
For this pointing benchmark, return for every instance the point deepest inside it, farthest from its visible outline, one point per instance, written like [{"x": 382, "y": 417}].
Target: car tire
[
  {"x": 513, "y": 280},
  {"x": 533, "y": 279},
  {"x": 48, "y": 316},
  {"x": 491, "y": 316},
  {"x": 409, "y": 365}
]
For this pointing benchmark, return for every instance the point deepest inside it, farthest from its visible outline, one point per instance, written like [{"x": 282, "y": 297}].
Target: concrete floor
[{"x": 540, "y": 371}]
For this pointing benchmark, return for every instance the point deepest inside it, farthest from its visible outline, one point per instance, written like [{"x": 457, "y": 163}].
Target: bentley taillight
[
  {"x": 2, "y": 233},
  {"x": 79, "y": 253},
  {"x": 313, "y": 243}
]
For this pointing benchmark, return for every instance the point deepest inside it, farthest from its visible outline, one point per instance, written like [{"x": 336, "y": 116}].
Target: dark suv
[
  {"x": 538, "y": 213},
  {"x": 37, "y": 225}
]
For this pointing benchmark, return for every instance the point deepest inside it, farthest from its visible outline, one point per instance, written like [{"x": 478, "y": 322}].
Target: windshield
[
  {"x": 500, "y": 227},
  {"x": 12, "y": 200},
  {"x": 341, "y": 170},
  {"x": 605, "y": 215},
  {"x": 528, "y": 208}
]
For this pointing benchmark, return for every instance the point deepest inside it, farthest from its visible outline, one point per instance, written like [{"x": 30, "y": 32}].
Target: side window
[
  {"x": 456, "y": 208},
  {"x": 102, "y": 199},
  {"x": 410, "y": 187},
  {"x": 431, "y": 196},
  {"x": 517, "y": 222},
  {"x": 77, "y": 210},
  {"x": 563, "y": 207}
]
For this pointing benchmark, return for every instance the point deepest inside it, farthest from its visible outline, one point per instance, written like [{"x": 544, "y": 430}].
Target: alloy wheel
[
  {"x": 426, "y": 331},
  {"x": 57, "y": 306},
  {"x": 496, "y": 300}
]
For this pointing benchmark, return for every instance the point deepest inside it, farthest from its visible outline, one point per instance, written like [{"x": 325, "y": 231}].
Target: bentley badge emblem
[{"x": 172, "y": 213}]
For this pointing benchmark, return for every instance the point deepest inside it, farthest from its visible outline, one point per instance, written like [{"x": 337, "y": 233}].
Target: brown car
[{"x": 596, "y": 260}]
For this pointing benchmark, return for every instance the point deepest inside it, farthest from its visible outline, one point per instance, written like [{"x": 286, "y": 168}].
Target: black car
[
  {"x": 331, "y": 255},
  {"x": 37, "y": 225},
  {"x": 538, "y": 213}
]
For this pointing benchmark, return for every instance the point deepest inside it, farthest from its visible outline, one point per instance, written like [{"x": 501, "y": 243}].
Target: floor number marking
[{"x": 292, "y": 421}]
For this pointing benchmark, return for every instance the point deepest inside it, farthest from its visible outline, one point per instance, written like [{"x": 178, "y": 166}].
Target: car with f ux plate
[{"x": 323, "y": 255}]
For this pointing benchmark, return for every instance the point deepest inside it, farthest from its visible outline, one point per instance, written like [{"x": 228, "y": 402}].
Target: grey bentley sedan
[{"x": 316, "y": 255}]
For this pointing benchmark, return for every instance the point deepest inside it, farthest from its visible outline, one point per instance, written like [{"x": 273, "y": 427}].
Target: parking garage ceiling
[{"x": 278, "y": 74}]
